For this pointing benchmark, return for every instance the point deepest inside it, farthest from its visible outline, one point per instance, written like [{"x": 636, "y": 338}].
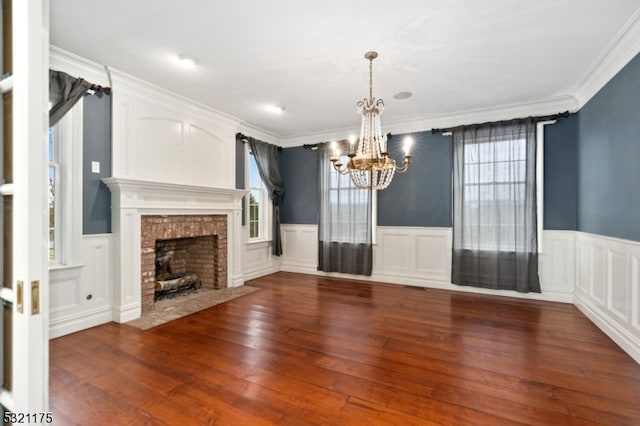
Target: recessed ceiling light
[
  {"x": 187, "y": 61},
  {"x": 402, "y": 95},
  {"x": 274, "y": 109}
]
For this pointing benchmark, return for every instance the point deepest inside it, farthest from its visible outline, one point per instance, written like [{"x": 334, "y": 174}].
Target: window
[
  {"x": 495, "y": 191},
  {"x": 350, "y": 227},
  {"x": 495, "y": 216},
  {"x": 55, "y": 216},
  {"x": 258, "y": 203},
  {"x": 345, "y": 227},
  {"x": 64, "y": 149},
  {"x": 494, "y": 194}
]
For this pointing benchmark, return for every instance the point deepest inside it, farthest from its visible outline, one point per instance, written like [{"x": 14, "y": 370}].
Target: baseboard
[
  {"x": 236, "y": 281},
  {"x": 622, "y": 338},
  {"x": 549, "y": 296},
  {"x": 71, "y": 324},
  {"x": 262, "y": 272},
  {"x": 123, "y": 314}
]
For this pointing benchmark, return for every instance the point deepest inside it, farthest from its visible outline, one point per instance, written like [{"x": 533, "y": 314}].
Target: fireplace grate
[{"x": 176, "y": 285}]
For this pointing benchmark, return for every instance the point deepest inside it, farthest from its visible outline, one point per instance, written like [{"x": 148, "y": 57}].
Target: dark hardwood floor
[{"x": 306, "y": 350}]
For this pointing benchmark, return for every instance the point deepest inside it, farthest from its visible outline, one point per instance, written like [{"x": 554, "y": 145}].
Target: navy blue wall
[
  {"x": 561, "y": 174},
  {"x": 421, "y": 196},
  {"x": 96, "y": 135},
  {"x": 609, "y": 158},
  {"x": 300, "y": 175}
]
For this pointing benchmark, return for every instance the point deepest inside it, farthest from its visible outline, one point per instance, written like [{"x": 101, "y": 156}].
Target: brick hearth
[{"x": 172, "y": 227}]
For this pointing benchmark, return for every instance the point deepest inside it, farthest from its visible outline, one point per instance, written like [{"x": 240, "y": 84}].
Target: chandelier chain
[{"x": 371, "y": 80}]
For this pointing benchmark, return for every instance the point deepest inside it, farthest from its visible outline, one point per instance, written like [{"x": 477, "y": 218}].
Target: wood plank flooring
[{"x": 307, "y": 350}]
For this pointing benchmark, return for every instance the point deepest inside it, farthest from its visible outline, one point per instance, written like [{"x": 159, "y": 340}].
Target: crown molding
[
  {"x": 622, "y": 49},
  {"x": 317, "y": 137},
  {"x": 482, "y": 115},
  {"x": 258, "y": 133},
  {"x": 423, "y": 123},
  {"x": 77, "y": 66},
  {"x": 127, "y": 85}
]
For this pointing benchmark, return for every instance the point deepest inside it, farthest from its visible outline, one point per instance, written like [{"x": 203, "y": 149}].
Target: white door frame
[{"x": 30, "y": 393}]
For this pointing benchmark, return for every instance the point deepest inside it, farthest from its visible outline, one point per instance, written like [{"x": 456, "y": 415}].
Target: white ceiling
[{"x": 453, "y": 55}]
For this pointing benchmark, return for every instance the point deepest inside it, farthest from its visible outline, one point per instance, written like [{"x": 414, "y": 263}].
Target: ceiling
[{"x": 454, "y": 56}]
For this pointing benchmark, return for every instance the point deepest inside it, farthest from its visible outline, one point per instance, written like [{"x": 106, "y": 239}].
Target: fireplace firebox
[{"x": 182, "y": 251}]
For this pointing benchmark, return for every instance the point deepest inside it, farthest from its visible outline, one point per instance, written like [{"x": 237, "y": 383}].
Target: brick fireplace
[
  {"x": 145, "y": 211},
  {"x": 197, "y": 243}
]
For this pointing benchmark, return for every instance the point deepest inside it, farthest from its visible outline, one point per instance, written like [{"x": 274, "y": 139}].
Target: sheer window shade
[
  {"x": 495, "y": 214},
  {"x": 344, "y": 233}
]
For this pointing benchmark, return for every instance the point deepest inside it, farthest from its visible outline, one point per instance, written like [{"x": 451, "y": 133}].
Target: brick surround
[{"x": 176, "y": 227}]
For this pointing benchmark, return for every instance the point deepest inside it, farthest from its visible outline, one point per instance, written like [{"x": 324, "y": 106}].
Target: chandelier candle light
[{"x": 369, "y": 164}]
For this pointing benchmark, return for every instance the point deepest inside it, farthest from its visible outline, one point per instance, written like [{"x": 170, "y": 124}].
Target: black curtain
[
  {"x": 344, "y": 224},
  {"x": 64, "y": 92},
  {"x": 267, "y": 159},
  {"x": 495, "y": 241}
]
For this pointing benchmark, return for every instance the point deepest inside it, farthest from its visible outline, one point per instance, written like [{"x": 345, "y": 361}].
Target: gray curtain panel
[
  {"x": 64, "y": 92},
  {"x": 268, "y": 162},
  {"x": 344, "y": 231},
  {"x": 495, "y": 241}
]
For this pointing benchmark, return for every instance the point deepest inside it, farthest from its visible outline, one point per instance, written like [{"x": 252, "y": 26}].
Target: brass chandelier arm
[
  {"x": 337, "y": 165},
  {"x": 406, "y": 162}
]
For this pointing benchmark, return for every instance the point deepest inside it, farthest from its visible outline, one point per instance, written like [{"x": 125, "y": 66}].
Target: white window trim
[
  {"x": 540, "y": 180},
  {"x": 265, "y": 217},
  {"x": 70, "y": 190}
]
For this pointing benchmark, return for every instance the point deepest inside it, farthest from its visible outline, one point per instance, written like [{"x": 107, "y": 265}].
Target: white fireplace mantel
[{"x": 132, "y": 198}]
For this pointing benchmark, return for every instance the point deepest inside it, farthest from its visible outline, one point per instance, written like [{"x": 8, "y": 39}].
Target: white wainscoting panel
[
  {"x": 161, "y": 136},
  {"x": 300, "y": 247},
  {"x": 557, "y": 265},
  {"x": 422, "y": 257},
  {"x": 607, "y": 288},
  {"x": 258, "y": 260},
  {"x": 413, "y": 256},
  {"x": 80, "y": 296}
]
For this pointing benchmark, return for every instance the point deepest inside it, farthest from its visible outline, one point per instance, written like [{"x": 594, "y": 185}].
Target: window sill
[
  {"x": 258, "y": 242},
  {"x": 56, "y": 268}
]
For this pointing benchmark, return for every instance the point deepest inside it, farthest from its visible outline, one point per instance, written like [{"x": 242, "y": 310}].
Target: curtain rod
[
  {"x": 538, "y": 118},
  {"x": 98, "y": 88},
  {"x": 243, "y": 139}
]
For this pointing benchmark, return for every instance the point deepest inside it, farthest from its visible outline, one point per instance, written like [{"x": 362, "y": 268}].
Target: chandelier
[{"x": 369, "y": 165}]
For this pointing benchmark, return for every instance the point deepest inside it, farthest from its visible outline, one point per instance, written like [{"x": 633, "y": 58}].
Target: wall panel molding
[
  {"x": 607, "y": 287},
  {"x": 159, "y": 135},
  {"x": 258, "y": 260},
  {"x": 421, "y": 257},
  {"x": 81, "y": 295}
]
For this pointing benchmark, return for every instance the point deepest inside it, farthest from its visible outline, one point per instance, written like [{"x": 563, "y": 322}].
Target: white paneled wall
[
  {"x": 607, "y": 288},
  {"x": 258, "y": 260},
  {"x": 415, "y": 255},
  {"x": 81, "y": 295},
  {"x": 422, "y": 257},
  {"x": 300, "y": 247},
  {"x": 160, "y": 136}
]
